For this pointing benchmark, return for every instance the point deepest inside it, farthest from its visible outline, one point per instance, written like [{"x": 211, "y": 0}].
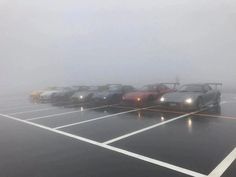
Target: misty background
[{"x": 73, "y": 42}]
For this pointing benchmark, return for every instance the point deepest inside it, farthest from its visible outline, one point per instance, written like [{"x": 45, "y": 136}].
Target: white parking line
[
  {"x": 228, "y": 102},
  {"x": 99, "y": 118},
  {"x": 65, "y": 113},
  {"x": 222, "y": 167},
  {"x": 22, "y": 107},
  {"x": 31, "y": 111},
  {"x": 44, "y": 109},
  {"x": 148, "y": 128},
  {"x": 118, "y": 150}
]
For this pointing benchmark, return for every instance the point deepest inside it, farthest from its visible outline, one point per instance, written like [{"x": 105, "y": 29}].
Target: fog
[{"x": 73, "y": 42}]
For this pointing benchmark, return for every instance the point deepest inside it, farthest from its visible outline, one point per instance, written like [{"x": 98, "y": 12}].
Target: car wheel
[{"x": 200, "y": 104}]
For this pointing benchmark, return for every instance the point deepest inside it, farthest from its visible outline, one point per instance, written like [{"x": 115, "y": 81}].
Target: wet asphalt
[{"x": 197, "y": 142}]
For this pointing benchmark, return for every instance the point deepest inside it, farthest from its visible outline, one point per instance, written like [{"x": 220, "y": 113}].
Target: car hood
[
  {"x": 35, "y": 93},
  {"x": 49, "y": 93},
  {"x": 84, "y": 94},
  {"x": 138, "y": 94},
  {"x": 181, "y": 96},
  {"x": 63, "y": 93},
  {"x": 105, "y": 94}
]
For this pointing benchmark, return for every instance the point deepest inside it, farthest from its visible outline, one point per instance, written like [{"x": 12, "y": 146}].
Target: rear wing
[
  {"x": 175, "y": 84},
  {"x": 216, "y": 86}
]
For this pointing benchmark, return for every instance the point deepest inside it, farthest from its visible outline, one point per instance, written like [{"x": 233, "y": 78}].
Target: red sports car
[{"x": 148, "y": 94}]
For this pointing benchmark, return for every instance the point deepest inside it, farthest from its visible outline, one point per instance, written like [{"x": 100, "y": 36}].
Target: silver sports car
[{"x": 193, "y": 96}]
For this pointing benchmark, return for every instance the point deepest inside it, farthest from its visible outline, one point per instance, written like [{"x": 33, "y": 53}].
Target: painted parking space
[
  {"x": 50, "y": 110},
  {"x": 106, "y": 129},
  {"x": 31, "y": 151},
  {"x": 81, "y": 115},
  {"x": 195, "y": 142},
  {"x": 175, "y": 143}
]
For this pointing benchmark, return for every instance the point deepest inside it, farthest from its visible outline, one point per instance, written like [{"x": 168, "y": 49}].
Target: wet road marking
[
  {"x": 168, "y": 111},
  {"x": 198, "y": 114},
  {"x": 31, "y": 111},
  {"x": 33, "y": 105},
  {"x": 148, "y": 128},
  {"x": 224, "y": 165},
  {"x": 22, "y": 107},
  {"x": 112, "y": 148},
  {"x": 43, "y": 109},
  {"x": 217, "y": 116},
  {"x": 99, "y": 118},
  {"x": 118, "y": 106},
  {"x": 68, "y": 112},
  {"x": 226, "y": 102}
]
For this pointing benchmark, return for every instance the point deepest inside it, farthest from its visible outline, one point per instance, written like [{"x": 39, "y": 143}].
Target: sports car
[
  {"x": 85, "y": 95},
  {"x": 65, "y": 94},
  {"x": 35, "y": 95},
  {"x": 193, "y": 97},
  {"x": 147, "y": 94},
  {"x": 46, "y": 96},
  {"x": 113, "y": 94}
]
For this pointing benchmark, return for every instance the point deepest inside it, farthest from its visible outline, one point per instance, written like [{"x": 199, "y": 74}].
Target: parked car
[
  {"x": 65, "y": 94},
  {"x": 35, "y": 95},
  {"x": 148, "y": 94},
  {"x": 46, "y": 96},
  {"x": 193, "y": 96},
  {"x": 113, "y": 94},
  {"x": 85, "y": 95}
]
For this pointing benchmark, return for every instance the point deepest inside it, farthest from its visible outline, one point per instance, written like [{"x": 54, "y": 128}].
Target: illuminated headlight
[
  {"x": 81, "y": 97},
  {"x": 162, "y": 99},
  {"x": 104, "y": 97},
  {"x": 189, "y": 101},
  {"x": 138, "y": 99}
]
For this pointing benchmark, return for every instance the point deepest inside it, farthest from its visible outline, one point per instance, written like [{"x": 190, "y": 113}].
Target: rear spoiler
[
  {"x": 175, "y": 84},
  {"x": 217, "y": 86}
]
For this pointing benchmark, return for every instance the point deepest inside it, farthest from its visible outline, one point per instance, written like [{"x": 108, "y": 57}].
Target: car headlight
[
  {"x": 162, "y": 99},
  {"x": 81, "y": 97},
  {"x": 104, "y": 97},
  {"x": 189, "y": 101}
]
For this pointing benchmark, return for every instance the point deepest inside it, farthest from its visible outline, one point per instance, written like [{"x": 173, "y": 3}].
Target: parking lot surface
[{"x": 114, "y": 140}]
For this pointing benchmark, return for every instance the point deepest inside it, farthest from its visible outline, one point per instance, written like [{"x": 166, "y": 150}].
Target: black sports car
[
  {"x": 83, "y": 96},
  {"x": 65, "y": 94},
  {"x": 113, "y": 94},
  {"x": 193, "y": 96}
]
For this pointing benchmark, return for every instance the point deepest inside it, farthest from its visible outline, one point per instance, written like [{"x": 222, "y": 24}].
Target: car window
[
  {"x": 162, "y": 87},
  {"x": 146, "y": 88},
  {"x": 115, "y": 87},
  {"x": 191, "y": 88},
  {"x": 94, "y": 88},
  {"x": 207, "y": 88}
]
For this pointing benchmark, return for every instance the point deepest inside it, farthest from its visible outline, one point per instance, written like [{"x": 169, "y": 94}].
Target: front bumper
[{"x": 179, "y": 106}]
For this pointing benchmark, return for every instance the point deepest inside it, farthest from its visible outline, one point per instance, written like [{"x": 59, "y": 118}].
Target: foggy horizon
[{"x": 130, "y": 42}]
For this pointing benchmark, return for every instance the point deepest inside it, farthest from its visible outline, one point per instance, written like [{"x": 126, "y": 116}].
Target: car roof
[{"x": 197, "y": 84}]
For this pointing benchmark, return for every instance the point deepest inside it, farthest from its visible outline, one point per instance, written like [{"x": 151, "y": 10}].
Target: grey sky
[{"x": 130, "y": 41}]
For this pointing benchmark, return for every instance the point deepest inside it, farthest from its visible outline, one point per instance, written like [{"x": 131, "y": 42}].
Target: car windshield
[
  {"x": 147, "y": 88},
  {"x": 114, "y": 88},
  {"x": 191, "y": 88},
  {"x": 93, "y": 88}
]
